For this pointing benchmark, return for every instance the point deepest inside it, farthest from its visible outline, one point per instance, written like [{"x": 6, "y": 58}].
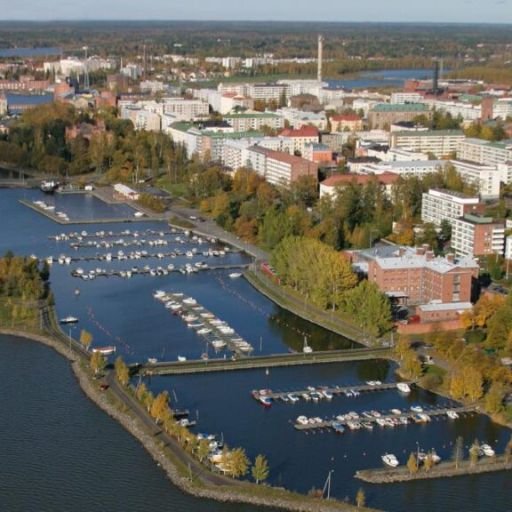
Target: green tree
[
  {"x": 203, "y": 449},
  {"x": 260, "y": 469}
]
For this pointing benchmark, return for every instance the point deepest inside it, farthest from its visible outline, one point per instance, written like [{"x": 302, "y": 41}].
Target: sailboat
[{"x": 306, "y": 349}]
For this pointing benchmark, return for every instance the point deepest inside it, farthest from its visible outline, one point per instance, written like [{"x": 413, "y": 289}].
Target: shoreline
[{"x": 233, "y": 492}]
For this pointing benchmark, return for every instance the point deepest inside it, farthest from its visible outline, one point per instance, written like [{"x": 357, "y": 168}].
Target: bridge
[{"x": 253, "y": 362}]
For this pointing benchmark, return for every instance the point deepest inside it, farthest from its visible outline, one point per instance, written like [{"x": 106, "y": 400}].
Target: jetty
[
  {"x": 347, "y": 391},
  {"x": 446, "y": 469},
  {"x": 346, "y": 421},
  {"x": 254, "y": 362}
]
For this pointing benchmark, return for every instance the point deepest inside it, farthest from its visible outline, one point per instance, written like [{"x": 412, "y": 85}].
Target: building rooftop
[
  {"x": 267, "y": 115},
  {"x": 440, "y": 306},
  {"x": 386, "y": 178},
  {"x": 431, "y": 133},
  {"x": 397, "y": 257},
  {"x": 479, "y": 219},
  {"x": 402, "y": 107},
  {"x": 304, "y": 131},
  {"x": 453, "y": 194}
]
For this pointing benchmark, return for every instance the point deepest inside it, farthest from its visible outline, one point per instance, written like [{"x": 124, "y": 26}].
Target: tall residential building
[
  {"x": 417, "y": 276},
  {"x": 474, "y": 235},
  {"x": 438, "y": 205},
  {"x": 486, "y": 178},
  {"x": 185, "y": 110},
  {"x": 301, "y": 137},
  {"x": 438, "y": 142}
]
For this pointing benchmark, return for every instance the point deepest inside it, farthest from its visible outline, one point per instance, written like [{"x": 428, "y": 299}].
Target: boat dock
[
  {"x": 213, "y": 330},
  {"x": 66, "y": 221},
  {"x": 412, "y": 417},
  {"x": 334, "y": 391},
  {"x": 254, "y": 362}
]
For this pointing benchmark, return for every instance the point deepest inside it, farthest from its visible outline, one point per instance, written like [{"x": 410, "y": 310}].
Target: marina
[
  {"x": 316, "y": 394},
  {"x": 356, "y": 421},
  {"x": 217, "y": 333}
]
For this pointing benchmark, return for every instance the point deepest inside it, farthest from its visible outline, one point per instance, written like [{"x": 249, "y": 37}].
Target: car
[{"x": 192, "y": 217}]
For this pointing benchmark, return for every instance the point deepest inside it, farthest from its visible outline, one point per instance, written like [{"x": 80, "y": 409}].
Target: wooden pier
[
  {"x": 335, "y": 391},
  {"x": 410, "y": 415},
  {"x": 254, "y": 362}
]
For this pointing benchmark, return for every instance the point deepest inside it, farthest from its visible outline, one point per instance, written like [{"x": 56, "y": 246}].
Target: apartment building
[
  {"x": 475, "y": 235},
  {"x": 3, "y": 105},
  {"x": 346, "y": 122},
  {"x": 301, "y": 137},
  {"x": 484, "y": 152},
  {"x": 416, "y": 276},
  {"x": 280, "y": 168},
  {"x": 417, "y": 168},
  {"x": 185, "y": 110},
  {"x": 330, "y": 187},
  {"x": 254, "y": 121},
  {"x": 486, "y": 178},
  {"x": 319, "y": 153},
  {"x": 439, "y": 142},
  {"x": 383, "y": 115},
  {"x": 438, "y": 205}
]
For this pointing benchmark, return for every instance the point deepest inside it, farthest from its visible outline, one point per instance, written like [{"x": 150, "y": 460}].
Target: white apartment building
[
  {"x": 296, "y": 87},
  {"x": 398, "y": 98},
  {"x": 397, "y": 155},
  {"x": 254, "y": 121},
  {"x": 484, "y": 152},
  {"x": 502, "y": 108},
  {"x": 467, "y": 111},
  {"x": 299, "y": 118},
  {"x": 185, "y": 110},
  {"x": 439, "y": 205},
  {"x": 438, "y": 142},
  {"x": 3, "y": 105},
  {"x": 487, "y": 178},
  {"x": 417, "y": 168},
  {"x": 235, "y": 153},
  {"x": 143, "y": 119}
]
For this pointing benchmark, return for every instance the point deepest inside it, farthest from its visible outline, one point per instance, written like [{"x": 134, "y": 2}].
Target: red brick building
[{"x": 416, "y": 276}]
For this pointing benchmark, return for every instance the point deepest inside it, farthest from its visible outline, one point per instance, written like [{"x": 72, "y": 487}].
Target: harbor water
[{"x": 56, "y": 423}]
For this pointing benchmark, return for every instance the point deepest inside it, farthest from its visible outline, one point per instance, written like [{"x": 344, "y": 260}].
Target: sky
[{"x": 458, "y": 11}]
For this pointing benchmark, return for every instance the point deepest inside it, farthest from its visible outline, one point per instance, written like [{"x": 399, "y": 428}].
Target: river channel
[{"x": 123, "y": 312}]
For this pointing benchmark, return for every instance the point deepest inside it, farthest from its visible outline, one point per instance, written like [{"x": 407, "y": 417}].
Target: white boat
[
  {"x": 182, "y": 359},
  {"x": 105, "y": 351},
  {"x": 302, "y": 420},
  {"x": 159, "y": 294},
  {"x": 403, "y": 387},
  {"x": 452, "y": 415},
  {"x": 235, "y": 275},
  {"x": 204, "y": 331},
  {"x": 327, "y": 394},
  {"x": 396, "y": 411},
  {"x": 487, "y": 450},
  {"x": 138, "y": 214},
  {"x": 218, "y": 344},
  {"x": 390, "y": 460},
  {"x": 69, "y": 320},
  {"x": 293, "y": 398},
  {"x": 152, "y": 360},
  {"x": 416, "y": 408}
]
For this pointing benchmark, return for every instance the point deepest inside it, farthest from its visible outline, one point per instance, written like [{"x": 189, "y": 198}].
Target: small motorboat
[
  {"x": 69, "y": 320},
  {"x": 235, "y": 275},
  {"x": 390, "y": 460}
]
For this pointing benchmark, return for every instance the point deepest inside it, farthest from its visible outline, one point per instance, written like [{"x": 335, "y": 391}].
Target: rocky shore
[{"x": 233, "y": 491}]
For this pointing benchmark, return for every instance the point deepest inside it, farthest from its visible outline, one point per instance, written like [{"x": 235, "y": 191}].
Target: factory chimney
[{"x": 320, "y": 56}]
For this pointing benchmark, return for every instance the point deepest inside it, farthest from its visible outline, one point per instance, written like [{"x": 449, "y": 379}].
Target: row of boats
[
  {"x": 216, "y": 331},
  {"x": 368, "y": 419},
  {"x": 139, "y": 242},
  {"x": 51, "y": 209},
  {"x": 317, "y": 394},
  {"x": 127, "y": 233},
  {"x": 188, "y": 268}
]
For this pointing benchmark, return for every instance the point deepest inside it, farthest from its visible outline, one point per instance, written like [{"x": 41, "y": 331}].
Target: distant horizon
[
  {"x": 303, "y": 11},
  {"x": 255, "y": 21}
]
